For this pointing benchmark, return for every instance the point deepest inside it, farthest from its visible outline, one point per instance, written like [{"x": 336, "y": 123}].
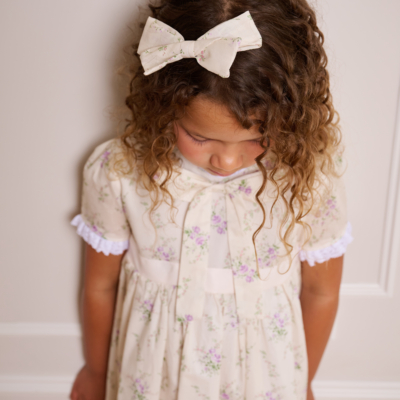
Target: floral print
[
  {"x": 164, "y": 250},
  {"x": 139, "y": 388},
  {"x": 210, "y": 360},
  {"x": 156, "y": 353},
  {"x": 196, "y": 242},
  {"x": 218, "y": 215},
  {"x": 278, "y": 326}
]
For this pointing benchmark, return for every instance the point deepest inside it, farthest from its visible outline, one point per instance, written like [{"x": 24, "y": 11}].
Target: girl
[{"x": 216, "y": 224}]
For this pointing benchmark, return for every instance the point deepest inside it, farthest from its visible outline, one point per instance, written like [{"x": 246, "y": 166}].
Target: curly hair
[{"x": 285, "y": 83}]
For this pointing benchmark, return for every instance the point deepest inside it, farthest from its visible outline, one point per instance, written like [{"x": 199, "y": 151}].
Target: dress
[{"x": 181, "y": 337}]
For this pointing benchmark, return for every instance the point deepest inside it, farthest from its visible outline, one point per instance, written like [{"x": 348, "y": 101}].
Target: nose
[{"x": 228, "y": 159}]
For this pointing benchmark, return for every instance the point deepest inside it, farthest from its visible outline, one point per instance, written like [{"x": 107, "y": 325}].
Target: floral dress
[{"x": 194, "y": 319}]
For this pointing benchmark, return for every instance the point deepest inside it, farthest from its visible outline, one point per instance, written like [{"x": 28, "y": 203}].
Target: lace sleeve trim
[
  {"x": 97, "y": 242},
  {"x": 335, "y": 250}
]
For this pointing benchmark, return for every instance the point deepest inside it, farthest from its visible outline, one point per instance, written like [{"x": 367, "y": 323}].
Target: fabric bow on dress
[
  {"x": 240, "y": 197},
  {"x": 215, "y": 50}
]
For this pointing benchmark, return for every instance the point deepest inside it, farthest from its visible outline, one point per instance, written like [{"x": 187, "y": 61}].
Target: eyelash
[{"x": 201, "y": 142}]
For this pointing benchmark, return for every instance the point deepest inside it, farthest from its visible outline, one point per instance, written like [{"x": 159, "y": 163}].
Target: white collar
[{"x": 186, "y": 164}]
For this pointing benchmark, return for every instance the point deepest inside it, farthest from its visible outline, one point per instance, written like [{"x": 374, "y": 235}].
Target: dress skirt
[{"x": 154, "y": 356}]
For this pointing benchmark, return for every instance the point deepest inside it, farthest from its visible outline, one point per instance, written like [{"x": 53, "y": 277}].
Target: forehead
[{"x": 214, "y": 120}]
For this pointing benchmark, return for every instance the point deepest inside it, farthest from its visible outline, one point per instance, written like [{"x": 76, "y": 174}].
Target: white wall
[{"x": 57, "y": 85}]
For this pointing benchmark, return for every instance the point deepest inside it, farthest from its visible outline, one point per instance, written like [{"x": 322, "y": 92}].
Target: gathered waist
[{"x": 218, "y": 280}]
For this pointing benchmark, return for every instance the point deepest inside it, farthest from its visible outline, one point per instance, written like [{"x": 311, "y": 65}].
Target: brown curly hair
[{"x": 285, "y": 83}]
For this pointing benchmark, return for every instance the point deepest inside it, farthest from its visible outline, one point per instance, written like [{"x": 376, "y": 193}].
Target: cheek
[
  {"x": 189, "y": 149},
  {"x": 254, "y": 151}
]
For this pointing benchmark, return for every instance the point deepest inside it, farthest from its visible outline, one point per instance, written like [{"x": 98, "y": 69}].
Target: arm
[
  {"x": 97, "y": 306},
  {"x": 319, "y": 300}
]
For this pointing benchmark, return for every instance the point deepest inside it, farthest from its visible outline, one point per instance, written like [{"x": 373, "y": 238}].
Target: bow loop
[{"x": 215, "y": 50}]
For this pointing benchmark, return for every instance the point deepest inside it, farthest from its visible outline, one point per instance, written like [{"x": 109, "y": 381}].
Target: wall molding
[
  {"x": 39, "y": 329},
  {"x": 391, "y": 236},
  {"x": 362, "y": 289},
  {"x": 35, "y": 384},
  {"x": 322, "y": 389}
]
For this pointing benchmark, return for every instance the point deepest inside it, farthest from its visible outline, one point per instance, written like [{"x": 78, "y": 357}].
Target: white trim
[
  {"x": 97, "y": 242},
  {"x": 335, "y": 250},
  {"x": 356, "y": 390},
  {"x": 39, "y": 329}
]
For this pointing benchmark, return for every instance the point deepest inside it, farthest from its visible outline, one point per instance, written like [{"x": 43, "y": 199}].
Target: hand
[
  {"x": 310, "y": 394},
  {"x": 88, "y": 385}
]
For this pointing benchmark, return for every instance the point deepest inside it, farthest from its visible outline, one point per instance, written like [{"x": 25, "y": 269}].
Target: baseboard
[
  {"x": 322, "y": 389},
  {"x": 356, "y": 390}
]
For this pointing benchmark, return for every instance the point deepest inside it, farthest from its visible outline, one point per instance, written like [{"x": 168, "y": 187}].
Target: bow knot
[{"x": 215, "y": 50}]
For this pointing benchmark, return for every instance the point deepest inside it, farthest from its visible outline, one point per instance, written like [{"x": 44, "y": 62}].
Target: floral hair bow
[{"x": 215, "y": 50}]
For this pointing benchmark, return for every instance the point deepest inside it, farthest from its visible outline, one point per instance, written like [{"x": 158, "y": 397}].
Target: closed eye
[{"x": 199, "y": 142}]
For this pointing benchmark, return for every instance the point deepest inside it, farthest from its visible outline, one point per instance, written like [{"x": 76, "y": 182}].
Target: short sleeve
[
  {"x": 102, "y": 222},
  {"x": 331, "y": 230}
]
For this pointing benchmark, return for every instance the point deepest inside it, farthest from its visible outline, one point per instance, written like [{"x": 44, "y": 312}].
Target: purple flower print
[
  {"x": 146, "y": 309},
  {"x": 148, "y": 304},
  {"x": 224, "y": 396},
  {"x": 216, "y": 219},
  {"x": 245, "y": 189},
  {"x": 164, "y": 254},
  {"x": 271, "y": 250},
  {"x": 245, "y": 273},
  {"x": 244, "y": 268},
  {"x": 94, "y": 228},
  {"x": 196, "y": 229},
  {"x": 280, "y": 321},
  {"x": 218, "y": 224},
  {"x": 104, "y": 156},
  {"x": 231, "y": 195},
  {"x": 217, "y": 358},
  {"x": 199, "y": 241},
  {"x": 188, "y": 317},
  {"x": 139, "y": 386},
  {"x": 210, "y": 359}
]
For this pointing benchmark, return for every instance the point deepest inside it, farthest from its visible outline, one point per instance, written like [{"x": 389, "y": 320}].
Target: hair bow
[{"x": 215, "y": 50}]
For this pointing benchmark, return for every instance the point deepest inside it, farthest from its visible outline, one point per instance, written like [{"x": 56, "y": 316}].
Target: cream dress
[{"x": 193, "y": 319}]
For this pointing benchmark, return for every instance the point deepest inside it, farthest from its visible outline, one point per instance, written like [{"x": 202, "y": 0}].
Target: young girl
[{"x": 216, "y": 224}]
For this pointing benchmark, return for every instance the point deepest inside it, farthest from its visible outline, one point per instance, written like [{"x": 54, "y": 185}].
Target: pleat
[
  {"x": 201, "y": 355},
  {"x": 143, "y": 334},
  {"x": 127, "y": 282}
]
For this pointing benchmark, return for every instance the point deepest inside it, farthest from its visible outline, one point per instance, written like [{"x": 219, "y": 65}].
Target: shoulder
[{"x": 109, "y": 158}]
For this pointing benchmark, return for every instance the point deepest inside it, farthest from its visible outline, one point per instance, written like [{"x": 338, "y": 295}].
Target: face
[{"x": 211, "y": 138}]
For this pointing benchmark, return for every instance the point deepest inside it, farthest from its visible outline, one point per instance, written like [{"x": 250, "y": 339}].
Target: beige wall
[{"x": 57, "y": 84}]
